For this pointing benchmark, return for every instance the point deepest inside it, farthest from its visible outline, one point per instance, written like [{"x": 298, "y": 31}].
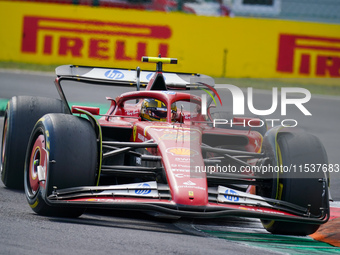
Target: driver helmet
[{"x": 155, "y": 110}]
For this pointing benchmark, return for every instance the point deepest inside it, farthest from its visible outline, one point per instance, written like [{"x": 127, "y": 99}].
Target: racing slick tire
[
  {"x": 21, "y": 114},
  {"x": 225, "y": 115},
  {"x": 302, "y": 188},
  {"x": 61, "y": 153}
]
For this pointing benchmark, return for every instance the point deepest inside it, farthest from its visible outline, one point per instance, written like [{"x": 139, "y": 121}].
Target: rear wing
[
  {"x": 137, "y": 78},
  {"x": 127, "y": 77}
]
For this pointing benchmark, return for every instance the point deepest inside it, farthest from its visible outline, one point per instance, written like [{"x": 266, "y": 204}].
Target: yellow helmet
[{"x": 155, "y": 110}]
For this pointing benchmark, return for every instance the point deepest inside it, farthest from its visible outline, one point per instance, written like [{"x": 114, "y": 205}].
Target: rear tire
[
  {"x": 65, "y": 147},
  {"x": 300, "y": 188},
  {"x": 21, "y": 114}
]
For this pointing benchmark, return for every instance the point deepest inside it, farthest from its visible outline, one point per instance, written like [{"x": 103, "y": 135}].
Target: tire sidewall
[
  {"x": 59, "y": 137},
  {"x": 37, "y": 201}
]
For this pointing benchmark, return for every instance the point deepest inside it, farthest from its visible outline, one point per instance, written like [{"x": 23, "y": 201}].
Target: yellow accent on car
[
  {"x": 157, "y": 60},
  {"x": 134, "y": 133}
]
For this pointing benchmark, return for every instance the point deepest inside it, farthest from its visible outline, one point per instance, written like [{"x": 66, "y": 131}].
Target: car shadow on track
[
  {"x": 124, "y": 219},
  {"x": 136, "y": 220}
]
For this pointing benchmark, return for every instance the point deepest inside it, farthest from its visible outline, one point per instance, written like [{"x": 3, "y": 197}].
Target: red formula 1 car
[{"x": 156, "y": 150}]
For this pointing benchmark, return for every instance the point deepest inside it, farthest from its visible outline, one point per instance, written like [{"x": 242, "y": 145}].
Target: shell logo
[{"x": 176, "y": 151}]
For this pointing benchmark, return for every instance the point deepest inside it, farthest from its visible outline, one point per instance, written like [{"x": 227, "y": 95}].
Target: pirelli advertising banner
[{"x": 216, "y": 46}]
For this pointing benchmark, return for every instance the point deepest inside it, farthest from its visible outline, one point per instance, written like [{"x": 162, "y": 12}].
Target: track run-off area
[{"x": 23, "y": 232}]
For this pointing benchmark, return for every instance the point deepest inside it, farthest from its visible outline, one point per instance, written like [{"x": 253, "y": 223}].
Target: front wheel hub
[{"x": 37, "y": 166}]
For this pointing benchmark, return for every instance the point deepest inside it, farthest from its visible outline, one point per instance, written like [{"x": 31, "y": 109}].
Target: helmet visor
[{"x": 157, "y": 113}]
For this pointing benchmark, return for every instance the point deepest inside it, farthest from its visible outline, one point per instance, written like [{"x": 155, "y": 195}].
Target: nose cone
[
  {"x": 180, "y": 149},
  {"x": 191, "y": 192}
]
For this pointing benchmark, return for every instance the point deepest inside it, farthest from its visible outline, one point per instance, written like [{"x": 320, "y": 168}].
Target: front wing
[{"x": 155, "y": 197}]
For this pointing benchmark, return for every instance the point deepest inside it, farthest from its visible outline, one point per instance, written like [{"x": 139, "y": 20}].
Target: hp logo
[
  {"x": 149, "y": 76},
  {"x": 229, "y": 195},
  {"x": 144, "y": 189},
  {"x": 114, "y": 75}
]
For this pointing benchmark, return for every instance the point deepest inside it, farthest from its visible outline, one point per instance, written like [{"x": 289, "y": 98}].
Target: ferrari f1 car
[{"x": 151, "y": 153}]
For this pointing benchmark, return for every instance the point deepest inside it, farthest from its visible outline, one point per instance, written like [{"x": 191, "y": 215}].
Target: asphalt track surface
[{"x": 106, "y": 232}]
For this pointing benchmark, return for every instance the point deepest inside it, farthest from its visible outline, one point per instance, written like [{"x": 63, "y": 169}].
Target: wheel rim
[
  {"x": 3, "y": 147},
  {"x": 38, "y": 158}
]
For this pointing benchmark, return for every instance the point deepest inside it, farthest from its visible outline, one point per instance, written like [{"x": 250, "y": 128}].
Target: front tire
[
  {"x": 301, "y": 188},
  {"x": 64, "y": 148}
]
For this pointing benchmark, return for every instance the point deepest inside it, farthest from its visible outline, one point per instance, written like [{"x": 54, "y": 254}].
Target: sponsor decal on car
[
  {"x": 141, "y": 137},
  {"x": 138, "y": 161},
  {"x": 174, "y": 137},
  {"x": 183, "y": 159},
  {"x": 180, "y": 170},
  {"x": 114, "y": 75},
  {"x": 190, "y": 183},
  {"x": 149, "y": 76},
  {"x": 227, "y": 195},
  {"x": 131, "y": 113},
  {"x": 144, "y": 189},
  {"x": 231, "y": 195},
  {"x": 182, "y": 176},
  {"x": 148, "y": 189},
  {"x": 178, "y": 151},
  {"x": 191, "y": 187},
  {"x": 180, "y": 165},
  {"x": 171, "y": 129}
]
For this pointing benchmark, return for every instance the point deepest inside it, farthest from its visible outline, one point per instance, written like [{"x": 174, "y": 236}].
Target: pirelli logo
[
  {"x": 309, "y": 55},
  {"x": 93, "y": 39}
]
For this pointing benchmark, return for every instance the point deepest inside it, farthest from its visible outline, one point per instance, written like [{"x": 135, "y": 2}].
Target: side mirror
[
  {"x": 181, "y": 115},
  {"x": 92, "y": 110}
]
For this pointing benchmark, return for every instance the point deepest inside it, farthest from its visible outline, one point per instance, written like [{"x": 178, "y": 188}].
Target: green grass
[
  {"x": 27, "y": 66},
  {"x": 321, "y": 86}
]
